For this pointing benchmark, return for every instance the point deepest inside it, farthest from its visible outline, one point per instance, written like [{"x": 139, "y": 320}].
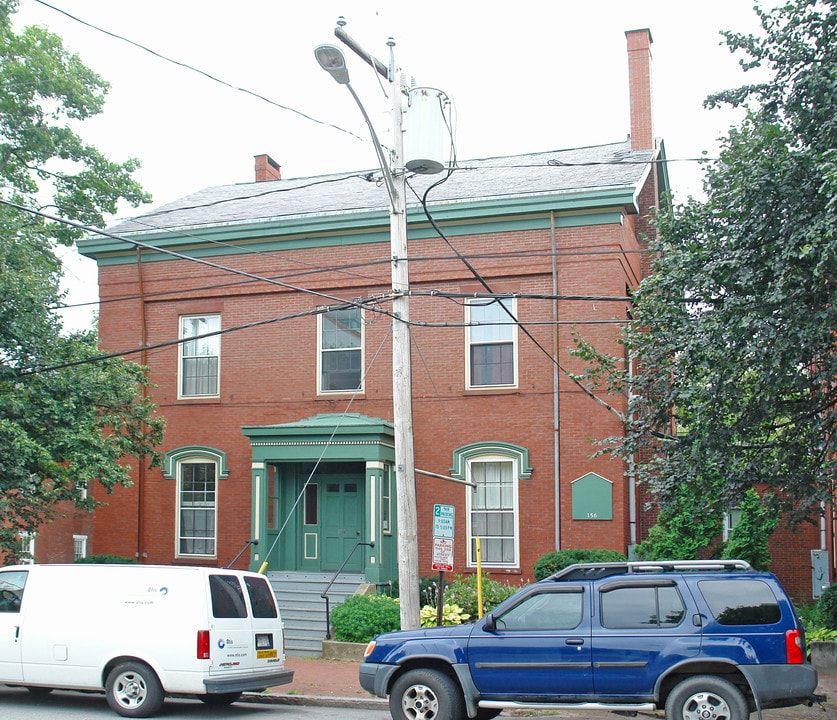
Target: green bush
[
  {"x": 105, "y": 559},
  {"x": 552, "y": 562},
  {"x": 462, "y": 591},
  {"x": 827, "y": 605},
  {"x": 451, "y": 615},
  {"x": 361, "y": 617}
]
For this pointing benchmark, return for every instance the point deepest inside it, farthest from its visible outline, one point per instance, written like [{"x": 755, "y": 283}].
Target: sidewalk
[{"x": 334, "y": 683}]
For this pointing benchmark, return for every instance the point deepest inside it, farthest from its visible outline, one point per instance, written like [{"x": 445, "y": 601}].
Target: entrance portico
[{"x": 320, "y": 486}]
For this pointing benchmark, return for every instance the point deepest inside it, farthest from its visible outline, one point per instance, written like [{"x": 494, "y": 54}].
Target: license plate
[{"x": 265, "y": 654}]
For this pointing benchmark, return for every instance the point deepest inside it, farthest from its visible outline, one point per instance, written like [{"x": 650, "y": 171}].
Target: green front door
[{"x": 341, "y": 507}]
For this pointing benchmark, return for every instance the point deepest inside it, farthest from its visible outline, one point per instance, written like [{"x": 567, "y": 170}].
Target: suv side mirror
[{"x": 489, "y": 623}]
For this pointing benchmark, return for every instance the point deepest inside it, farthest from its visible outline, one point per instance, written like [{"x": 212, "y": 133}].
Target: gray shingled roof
[{"x": 555, "y": 172}]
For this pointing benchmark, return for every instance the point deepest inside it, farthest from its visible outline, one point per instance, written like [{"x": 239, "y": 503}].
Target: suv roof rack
[{"x": 592, "y": 571}]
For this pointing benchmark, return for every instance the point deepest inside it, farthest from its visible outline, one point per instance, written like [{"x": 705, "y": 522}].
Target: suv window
[
  {"x": 741, "y": 602},
  {"x": 641, "y": 607},
  {"x": 545, "y": 611}
]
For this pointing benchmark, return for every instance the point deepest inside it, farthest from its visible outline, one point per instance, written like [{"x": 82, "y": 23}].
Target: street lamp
[{"x": 331, "y": 59}]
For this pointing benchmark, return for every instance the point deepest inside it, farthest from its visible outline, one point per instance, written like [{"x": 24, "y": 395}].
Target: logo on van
[{"x": 222, "y": 643}]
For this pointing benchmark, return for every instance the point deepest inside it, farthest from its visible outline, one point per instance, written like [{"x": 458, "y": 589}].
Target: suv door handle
[{"x": 574, "y": 641}]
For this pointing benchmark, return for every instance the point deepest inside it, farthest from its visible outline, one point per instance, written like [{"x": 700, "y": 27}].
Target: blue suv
[{"x": 705, "y": 640}]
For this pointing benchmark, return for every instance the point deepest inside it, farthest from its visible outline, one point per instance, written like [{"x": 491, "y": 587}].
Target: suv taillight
[
  {"x": 794, "y": 647},
  {"x": 203, "y": 644}
]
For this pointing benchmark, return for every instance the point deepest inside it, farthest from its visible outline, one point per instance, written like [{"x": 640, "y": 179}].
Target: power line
[{"x": 207, "y": 75}]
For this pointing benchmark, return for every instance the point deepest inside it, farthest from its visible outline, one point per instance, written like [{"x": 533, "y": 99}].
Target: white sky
[{"x": 529, "y": 76}]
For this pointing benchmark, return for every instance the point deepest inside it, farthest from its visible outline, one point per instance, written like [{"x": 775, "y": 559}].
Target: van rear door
[{"x": 246, "y": 632}]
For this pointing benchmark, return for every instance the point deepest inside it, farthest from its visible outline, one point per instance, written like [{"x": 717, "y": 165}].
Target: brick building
[{"x": 263, "y": 311}]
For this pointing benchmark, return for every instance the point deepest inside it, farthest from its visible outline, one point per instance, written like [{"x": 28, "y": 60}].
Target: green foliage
[
  {"x": 361, "y": 617},
  {"x": 68, "y": 415},
  {"x": 749, "y": 539},
  {"x": 732, "y": 335},
  {"x": 552, "y": 562},
  {"x": 451, "y": 615},
  {"x": 106, "y": 559},
  {"x": 462, "y": 592},
  {"x": 827, "y": 605}
]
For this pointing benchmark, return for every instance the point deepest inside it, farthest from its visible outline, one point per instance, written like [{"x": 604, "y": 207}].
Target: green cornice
[{"x": 367, "y": 226}]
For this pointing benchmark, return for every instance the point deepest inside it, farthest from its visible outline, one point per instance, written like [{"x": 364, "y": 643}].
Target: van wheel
[
  {"x": 133, "y": 690},
  {"x": 706, "y": 697},
  {"x": 426, "y": 695},
  {"x": 219, "y": 699}
]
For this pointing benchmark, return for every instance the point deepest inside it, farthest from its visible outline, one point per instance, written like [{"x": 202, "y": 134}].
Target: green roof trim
[{"x": 271, "y": 236}]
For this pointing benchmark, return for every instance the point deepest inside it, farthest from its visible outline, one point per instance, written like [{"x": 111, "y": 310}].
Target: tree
[
  {"x": 68, "y": 415},
  {"x": 733, "y": 333}
]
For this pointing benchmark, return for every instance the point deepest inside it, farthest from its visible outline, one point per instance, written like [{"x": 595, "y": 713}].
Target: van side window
[
  {"x": 11, "y": 590},
  {"x": 227, "y": 597},
  {"x": 261, "y": 597}
]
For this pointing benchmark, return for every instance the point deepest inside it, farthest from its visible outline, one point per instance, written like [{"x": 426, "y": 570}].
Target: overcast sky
[{"x": 526, "y": 77}]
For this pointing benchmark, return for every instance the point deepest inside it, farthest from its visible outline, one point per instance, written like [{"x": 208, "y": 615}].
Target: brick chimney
[
  {"x": 267, "y": 169},
  {"x": 639, "y": 81}
]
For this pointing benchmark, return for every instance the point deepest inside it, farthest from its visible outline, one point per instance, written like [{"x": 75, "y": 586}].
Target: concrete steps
[{"x": 304, "y": 610}]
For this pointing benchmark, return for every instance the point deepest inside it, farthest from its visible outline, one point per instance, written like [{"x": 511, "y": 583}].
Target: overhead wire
[{"x": 191, "y": 68}]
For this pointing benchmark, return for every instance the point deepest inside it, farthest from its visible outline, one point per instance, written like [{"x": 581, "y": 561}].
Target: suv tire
[
  {"x": 424, "y": 695},
  {"x": 706, "y": 697}
]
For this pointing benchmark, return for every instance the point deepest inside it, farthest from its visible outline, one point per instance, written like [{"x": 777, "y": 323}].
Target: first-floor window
[
  {"x": 197, "y": 509},
  {"x": 492, "y": 512},
  {"x": 79, "y": 547},
  {"x": 27, "y": 548}
]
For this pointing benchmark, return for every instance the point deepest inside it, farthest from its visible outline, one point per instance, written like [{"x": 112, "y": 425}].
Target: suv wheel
[
  {"x": 426, "y": 695},
  {"x": 706, "y": 697}
]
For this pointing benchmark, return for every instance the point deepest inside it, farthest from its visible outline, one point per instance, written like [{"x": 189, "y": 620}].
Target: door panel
[
  {"x": 341, "y": 513},
  {"x": 539, "y": 650}
]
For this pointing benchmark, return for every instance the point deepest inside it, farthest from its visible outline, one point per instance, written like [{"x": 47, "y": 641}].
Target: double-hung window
[
  {"x": 492, "y": 343},
  {"x": 493, "y": 511},
  {"x": 200, "y": 354},
  {"x": 341, "y": 350},
  {"x": 197, "y": 509}
]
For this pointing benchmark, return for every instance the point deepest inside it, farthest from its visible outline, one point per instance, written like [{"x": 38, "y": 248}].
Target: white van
[{"x": 140, "y": 632}]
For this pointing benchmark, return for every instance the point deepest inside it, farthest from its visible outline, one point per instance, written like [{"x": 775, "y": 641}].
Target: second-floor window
[
  {"x": 199, "y": 356},
  {"x": 492, "y": 343},
  {"x": 341, "y": 350}
]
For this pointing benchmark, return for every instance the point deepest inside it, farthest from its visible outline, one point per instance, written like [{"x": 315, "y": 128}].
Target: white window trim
[
  {"x": 204, "y": 460},
  {"x": 183, "y": 340},
  {"x": 361, "y": 389},
  {"x": 468, "y": 384},
  {"x": 489, "y": 458}
]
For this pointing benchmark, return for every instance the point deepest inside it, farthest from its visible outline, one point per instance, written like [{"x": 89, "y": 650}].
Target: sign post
[{"x": 443, "y": 525}]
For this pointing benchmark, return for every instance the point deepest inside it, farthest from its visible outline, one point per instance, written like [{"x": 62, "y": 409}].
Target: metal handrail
[{"x": 324, "y": 594}]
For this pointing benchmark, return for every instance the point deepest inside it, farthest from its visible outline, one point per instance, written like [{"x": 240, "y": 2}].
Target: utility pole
[{"x": 331, "y": 59}]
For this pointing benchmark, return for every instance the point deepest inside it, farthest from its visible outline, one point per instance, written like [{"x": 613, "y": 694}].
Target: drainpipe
[
  {"x": 556, "y": 378},
  {"x": 143, "y": 393}
]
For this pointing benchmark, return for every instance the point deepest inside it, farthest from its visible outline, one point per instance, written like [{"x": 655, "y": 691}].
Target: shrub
[
  {"x": 552, "y": 562},
  {"x": 361, "y": 617},
  {"x": 749, "y": 539},
  {"x": 827, "y": 605},
  {"x": 462, "y": 591},
  {"x": 103, "y": 559},
  {"x": 451, "y": 615}
]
